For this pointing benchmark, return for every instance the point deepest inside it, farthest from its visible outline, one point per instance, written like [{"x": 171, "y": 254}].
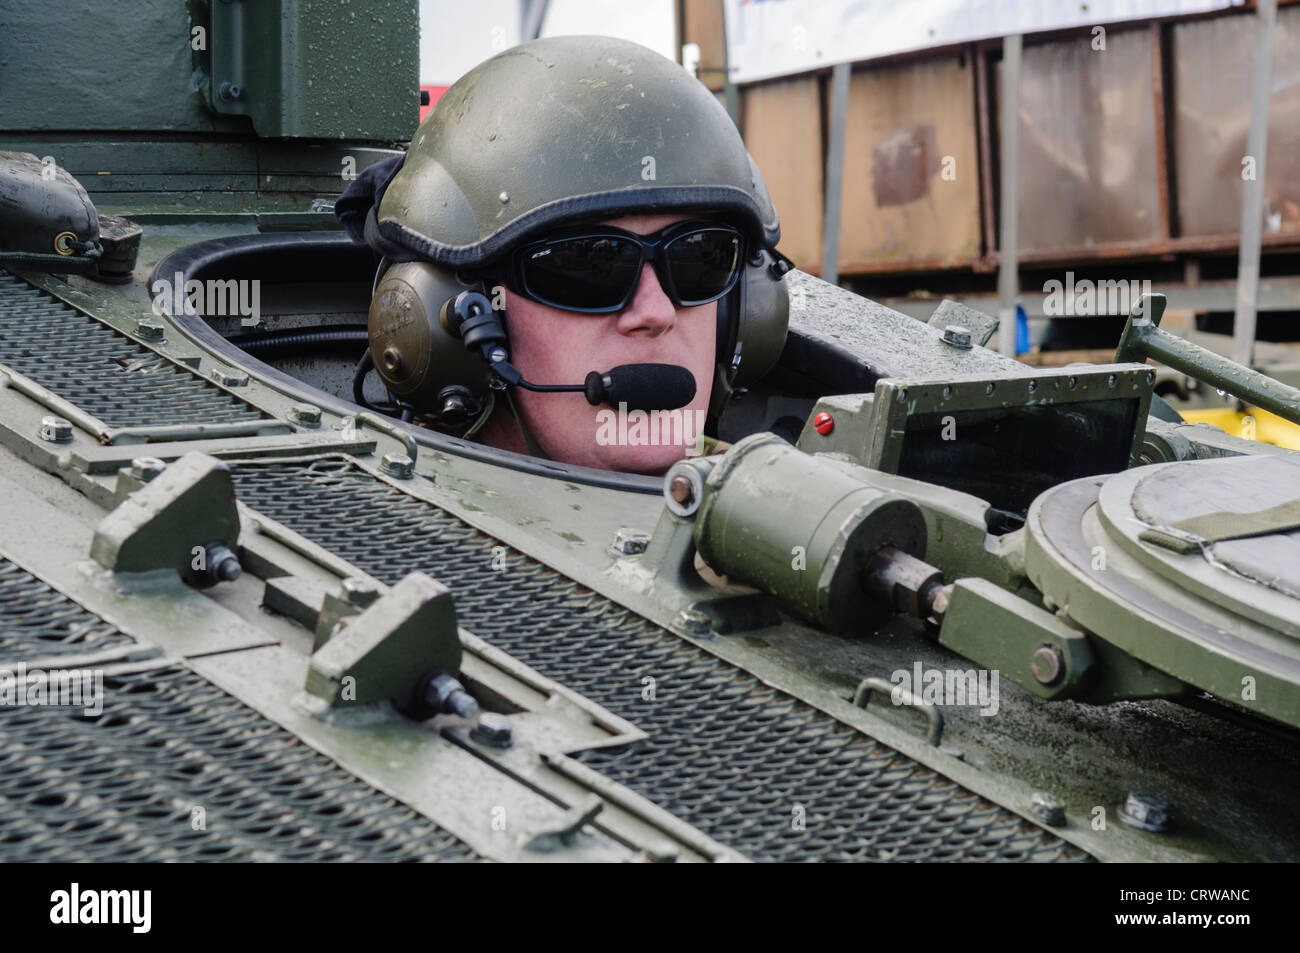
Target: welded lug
[
  {"x": 385, "y": 651},
  {"x": 182, "y": 519}
]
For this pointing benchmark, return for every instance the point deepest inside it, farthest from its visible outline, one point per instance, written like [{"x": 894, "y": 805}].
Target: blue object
[{"x": 1022, "y": 330}]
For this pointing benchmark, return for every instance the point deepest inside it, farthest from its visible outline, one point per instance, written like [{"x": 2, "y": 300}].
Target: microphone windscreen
[{"x": 643, "y": 387}]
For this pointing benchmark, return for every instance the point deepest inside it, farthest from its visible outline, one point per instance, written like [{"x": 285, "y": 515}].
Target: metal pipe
[
  {"x": 840, "y": 76},
  {"x": 1252, "y": 198},
  {"x": 1008, "y": 271},
  {"x": 1142, "y": 338}
]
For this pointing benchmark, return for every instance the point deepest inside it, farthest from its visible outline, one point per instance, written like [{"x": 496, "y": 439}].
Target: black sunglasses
[{"x": 596, "y": 269}]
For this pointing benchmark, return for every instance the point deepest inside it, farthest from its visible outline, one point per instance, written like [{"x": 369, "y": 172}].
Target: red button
[{"x": 824, "y": 423}]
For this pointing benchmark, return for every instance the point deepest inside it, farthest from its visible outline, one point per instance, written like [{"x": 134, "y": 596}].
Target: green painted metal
[
  {"x": 991, "y": 626},
  {"x": 1143, "y": 338},
  {"x": 716, "y": 599}
]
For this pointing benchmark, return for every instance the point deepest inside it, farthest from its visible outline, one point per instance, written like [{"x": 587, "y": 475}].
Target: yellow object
[{"x": 1252, "y": 424}]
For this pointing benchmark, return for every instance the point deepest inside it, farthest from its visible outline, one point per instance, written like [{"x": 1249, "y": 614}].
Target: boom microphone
[{"x": 642, "y": 387}]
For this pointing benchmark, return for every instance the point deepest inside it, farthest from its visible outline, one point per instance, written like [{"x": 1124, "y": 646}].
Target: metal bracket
[
  {"x": 168, "y": 522},
  {"x": 385, "y": 651}
]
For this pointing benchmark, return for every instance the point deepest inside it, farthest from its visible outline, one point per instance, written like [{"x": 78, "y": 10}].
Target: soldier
[{"x": 602, "y": 200}]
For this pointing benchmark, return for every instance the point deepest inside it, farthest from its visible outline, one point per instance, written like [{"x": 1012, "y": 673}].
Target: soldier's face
[{"x": 551, "y": 346}]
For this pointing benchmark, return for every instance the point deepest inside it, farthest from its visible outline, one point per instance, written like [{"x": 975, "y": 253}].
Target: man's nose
[{"x": 651, "y": 309}]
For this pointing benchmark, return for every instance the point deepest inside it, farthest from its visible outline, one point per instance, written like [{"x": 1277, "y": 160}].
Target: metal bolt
[
  {"x": 151, "y": 329},
  {"x": 1047, "y": 664},
  {"x": 305, "y": 415},
  {"x": 493, "y": 729},
  {"x": 823, "y": 423},
  {"x": 222, "y": 562},
  {"x": 56, "y": 429},
  {"x": 1048, "y": 809},
  {"x": 359, "y": 592},
  {"x": 680, "y": 490},
  {"x": 229, "y": 91},
  {"x": 1146, "y": 812},
  {"x": 397, "y": 465},
  {"x": 392, "y": 359},
  {"x": 447, "y": 696},
  {"x": 498, "y": 354},
  {"x": 942, "y": 599},
  {"x": 957, "y": 336},
  {"x": 695, "y": 622},
  {"x": 629, "y": 542},
  {"x": 145, "y": 469},
  {"x": 228, "y": 378}
]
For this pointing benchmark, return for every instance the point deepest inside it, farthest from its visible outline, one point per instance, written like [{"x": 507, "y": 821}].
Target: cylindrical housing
[
  {"x": 802, "y": 529},
  {"x": 414, "y": 354}
]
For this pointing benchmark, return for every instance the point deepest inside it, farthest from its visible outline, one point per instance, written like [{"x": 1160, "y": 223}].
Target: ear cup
[
  {"x": 758, "y": 319},
  {"x": 414, "y": 351}
]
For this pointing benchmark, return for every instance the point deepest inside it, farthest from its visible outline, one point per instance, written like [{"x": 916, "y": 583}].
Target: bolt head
[
  {"x": 1048, "y": 809},
  {"x": 150, "y": 329},
  {"x": 145, "y": 469},
  {"x": 1147, "y": 812},
  {"x": 957, "y": 336},
  {"x": 227, "y": 569},
  {"x": 630, "y": 542},
  {"x": 680, "y": 489},
  {"x": 695, "y": 622},
  {"x": 306, "y": 415},
  {"x": 823, "y": 423},
  {"x": 498, "y": 354},
  {"x": 56, "y": 429},
  {"x": 1047, "y": 665},
  {"x": 398, "y": 465},
  {"x": 493, "y": 729},
  {"x": 228, "y": 378},
  {"x": 359, "y": 592}
]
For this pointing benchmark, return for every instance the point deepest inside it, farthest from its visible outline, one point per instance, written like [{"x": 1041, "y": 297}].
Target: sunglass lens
[
  {"x": 703, "y": 264},
  {"x": 582, "y": 273}
]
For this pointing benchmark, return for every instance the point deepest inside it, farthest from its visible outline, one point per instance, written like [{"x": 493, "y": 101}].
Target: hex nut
[
  {"x": 150, "y": 329},
  {"x": 492, "y": 729},
  {"x": 1048, "y": 809},
  {"x": 1146, "y": 812},
  {"x": 695, "y": 622},
  {"x": 305, "y": 415},
  {"x": 397, "y": 465},
  {"x": 957, "y": 336},
  {"x": 228, "y": 378},
  {"x": 630, "y": 542},
  {"x": 145, "y": 469},
  {"x": 56, "y": 429},
  {"x": 358, "y": 592}
]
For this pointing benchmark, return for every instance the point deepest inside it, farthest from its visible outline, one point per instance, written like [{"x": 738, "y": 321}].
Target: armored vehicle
[{"x": 928, "y": 603}]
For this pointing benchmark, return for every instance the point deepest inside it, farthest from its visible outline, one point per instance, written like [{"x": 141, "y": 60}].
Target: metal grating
[
  {"x": 38, "y": 622},
  {"x": 102, "y": 371},
  {"x": 730, "y": 755},
  {"x": 124, "y": 784}
]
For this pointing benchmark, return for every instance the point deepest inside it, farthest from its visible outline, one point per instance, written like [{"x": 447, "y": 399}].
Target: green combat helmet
[{"x": 554, "y": 131}]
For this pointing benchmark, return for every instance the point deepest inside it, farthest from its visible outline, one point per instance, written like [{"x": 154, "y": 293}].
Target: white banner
[{"x": 767, "y": 38}]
